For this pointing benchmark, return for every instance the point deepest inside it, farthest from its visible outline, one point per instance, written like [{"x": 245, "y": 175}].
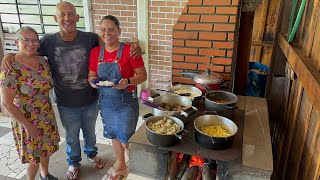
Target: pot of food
[
  {"x": 220, "y": 101},
  {"x": 195, "y": 93},
  {"x": 214, "y": 132},
  {"x": 170, "y": 104},
  {"x": 164, "y": 131},
  {"x": 208, "y": 78}
]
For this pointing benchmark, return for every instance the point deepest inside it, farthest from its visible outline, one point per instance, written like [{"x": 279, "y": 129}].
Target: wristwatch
[{"x": 128, "y": 79}]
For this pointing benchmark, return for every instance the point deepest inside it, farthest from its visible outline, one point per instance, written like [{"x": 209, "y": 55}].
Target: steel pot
[
  {"x": 211, "y": 79},
  {"x": 172, "y": 100},
  {"x": 164, "y": 140},
  {"x": 196, "y": 94},
  {"x": 220, "y": 101},
  {"x": 211, "y": 142}
]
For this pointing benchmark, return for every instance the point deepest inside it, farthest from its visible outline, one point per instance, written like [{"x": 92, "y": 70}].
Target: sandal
[
  {"x": 72, "y": 173},
  {"x": 115, "y": 175},
  {"x": 99, "y": 164}
]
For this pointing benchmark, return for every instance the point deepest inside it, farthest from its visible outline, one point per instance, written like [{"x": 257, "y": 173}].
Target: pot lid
[{"x": 208, "y": 77}]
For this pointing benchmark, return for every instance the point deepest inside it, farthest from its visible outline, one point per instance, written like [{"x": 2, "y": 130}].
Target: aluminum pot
[
  {"x": 208, "y": 78},
  {"x": 196, "y": 94},
  {"x": 211, "y": 142},
  {"x": 173, "y": 100},
  {"x": 164, "y": 140},
  {"x": 220, "y": 101}
]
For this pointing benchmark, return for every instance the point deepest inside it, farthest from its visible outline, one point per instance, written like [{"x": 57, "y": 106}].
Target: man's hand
[
  {"x": 123, "y": 83},
  {"x": 7, "y": 60},
  {"x": 135, "y": 50},
  {"x": 92, "y": 81}
]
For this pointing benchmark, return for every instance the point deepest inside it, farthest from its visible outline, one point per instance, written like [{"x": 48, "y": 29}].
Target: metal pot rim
[
  {"x": 214, "y": 116},
  {"x": 234, "y": 101},
  {"x": 169, "y": 117}
]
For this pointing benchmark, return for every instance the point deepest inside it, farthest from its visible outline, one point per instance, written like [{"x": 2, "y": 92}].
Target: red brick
[
  {"x": 232, "y": 19},
  {"x": 159, "y": 58},
  {"x": 224, "y": 27},
  {"x": 223, "y": 45},
  {"x": 199, "y": 27},
  {"x": 227, "y": 69},
  {"x": 177, "y": 57},
  {"x": 211, "y": 67},
  {"x": 216, "y": 2},
  {"x": 158, "y": 15},
  {"x": 230, "y": 36},
  {"x": 176, "y": 50},
  {"x": 176, "y": 72},
  {"x": 185, "y": 10},
  {"x": 222, "y": 61},
  {"x": 158, "y": 3},
  {"x": 197, "y": 59},
  {"x": 165, "y": 21},
  {"x": 184, "y": 35},
  {"x": 173, "y": 3},
  {"x": 183, "y": 80},
  {"x": 235, "y": 2},
  {"x": 229, "y": 53},
  {"x": 180, "y": 65},
  {"x": 212, "y": 18},
  {"x": 164, "y": 63},
  {"x": 212, "y": 52},
  {"x": 226, "y": 10},
  {"x": 177, "y": 42},
  {"x": 196, "y": 43},
  {"x": 157, "y": 67},
  {"x": 201, "y": 10},
  {"x": 166, "y": 9},
  {"x": 172, "y": 15},
  {"x": 155, "y": 62},
  {"x": 226, "y": 76},
  {"x": 163, "y": 53},
  {"x": 179, "y": 26},
  {"x": 189, "y": 18},
  {"x": 194, "y": 2},
  {"x": 212, "y": 36}
]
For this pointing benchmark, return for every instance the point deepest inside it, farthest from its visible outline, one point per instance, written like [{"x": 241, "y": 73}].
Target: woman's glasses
[{"x": 28, "y": 41}]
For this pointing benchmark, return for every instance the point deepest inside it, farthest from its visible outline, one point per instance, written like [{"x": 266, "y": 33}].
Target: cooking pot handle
[
  {"x": 232, "y": 107},
  {"x": 189, "y": 111},
  {"x": 189, "y": 74},
  {"x": 212, "y": 140},
  {"x": 146, "y": 116},
  {"x": 182, "y": 134},
  {"x": 206, "y": 87}
]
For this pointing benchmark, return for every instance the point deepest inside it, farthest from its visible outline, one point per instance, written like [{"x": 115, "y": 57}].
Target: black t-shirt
[{"x": 69, "y": 64}]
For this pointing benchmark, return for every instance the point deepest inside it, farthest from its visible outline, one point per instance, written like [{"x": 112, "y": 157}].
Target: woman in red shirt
[{"x": 119, "y": 107}]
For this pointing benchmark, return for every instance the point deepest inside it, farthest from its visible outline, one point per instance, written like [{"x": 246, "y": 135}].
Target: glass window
[
  {"x": 34, "y": 19},
  {"x": 11, "y": 18},
  {"x": 48, "y": 10},
  {"x": 53, "y": 2},
  {"x": 76, "y": 2},
  {"x": 8, "y": 8},
  {"x": 10, "y": 28},
  {"x": 27, "y": 2},
  {"x": 28, "y": 9}
]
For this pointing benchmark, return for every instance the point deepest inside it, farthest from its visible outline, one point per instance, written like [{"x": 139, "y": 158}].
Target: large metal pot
[
  {"x": 196, "y": 94},
  {"x": 220, "y": 101},
  {"x": 210, "y": 142},
  {"x": 173, "y": 100},
  {"x": 208, "y": 78},
  {"x": 164, "y": 140}
]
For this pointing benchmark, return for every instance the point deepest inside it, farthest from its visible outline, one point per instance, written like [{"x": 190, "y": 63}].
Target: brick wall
[
  {"x": 205, "y": 28},
  {"x": 204, "y": 38},
  {"x": 124, "y": 10}
]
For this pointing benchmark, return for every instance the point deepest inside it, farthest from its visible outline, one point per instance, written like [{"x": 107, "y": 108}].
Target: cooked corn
[{"x": 215, "y": 131}]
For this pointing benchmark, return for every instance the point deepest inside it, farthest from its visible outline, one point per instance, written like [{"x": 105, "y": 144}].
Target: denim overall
[{"x": 119, "y": 108}]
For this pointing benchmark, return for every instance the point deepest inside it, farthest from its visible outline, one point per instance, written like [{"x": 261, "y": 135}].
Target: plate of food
[{"x": 105, "y": 83}]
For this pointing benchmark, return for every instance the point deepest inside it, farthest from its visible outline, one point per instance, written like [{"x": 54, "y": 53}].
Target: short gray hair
[{"x": 26, "y": 28}]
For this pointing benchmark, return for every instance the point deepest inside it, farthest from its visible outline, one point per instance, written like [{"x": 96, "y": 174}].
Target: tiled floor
[{"x": 11, "y": 167}]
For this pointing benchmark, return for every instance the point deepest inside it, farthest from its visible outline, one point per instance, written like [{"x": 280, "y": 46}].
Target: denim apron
[{"x": 119, "y": 108}]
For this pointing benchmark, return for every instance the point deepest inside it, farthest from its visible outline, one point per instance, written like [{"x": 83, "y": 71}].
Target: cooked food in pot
[
  {"x": 164, "y": 126},
  {"x": 184, "y": 91},
  {"x": 215, "y": 131},
  {"x": 221, "y": 101},
  {"x": 174, "y": 107}
]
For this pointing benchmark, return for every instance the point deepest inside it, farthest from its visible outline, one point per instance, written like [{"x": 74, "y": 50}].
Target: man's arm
[{"x": 7, "y": 60}]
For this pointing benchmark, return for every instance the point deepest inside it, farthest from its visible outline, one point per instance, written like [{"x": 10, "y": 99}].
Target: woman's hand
[
  {"x": 135, "y": 50},
  {"x": 31, "y": 131},
  {"x": 92, "y": 80},
  {"x": 7, "y": 60},
  {"x": 123, "y": 83}
]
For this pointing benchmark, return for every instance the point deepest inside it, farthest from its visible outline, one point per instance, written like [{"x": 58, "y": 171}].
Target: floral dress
[{"x": 32, "y": 98}]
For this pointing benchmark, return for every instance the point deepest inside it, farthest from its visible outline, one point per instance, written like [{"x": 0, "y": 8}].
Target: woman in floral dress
[{"x": 25, "y": 92}]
